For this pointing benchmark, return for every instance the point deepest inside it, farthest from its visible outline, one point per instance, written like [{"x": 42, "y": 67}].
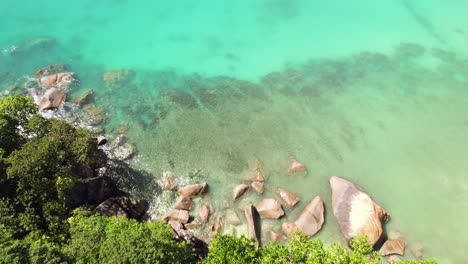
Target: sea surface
[{"x": 372, "y": 91}]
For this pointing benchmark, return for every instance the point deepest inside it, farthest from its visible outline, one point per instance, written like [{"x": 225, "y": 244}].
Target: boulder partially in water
[
  {"x": 83, "y": 98},
  {"x": 286, "y": 198},
  {"x": 269, "y": 208},
  {"x": 204, "y": 213},
  {"x": 232, "y": 218},
  {"x": 310, "y": 221},
  {"x": 58, "y": 80},
  {"x": 251, "y": 214},
  {"x": 239, "y": 190},
  {"x": 296, "y": 167},
  {"x": 183, "y": 203},
  {"x": 52, "y": 99},
  {"x": 192, "y": 190},
  {"x": 357, "y": 214}
]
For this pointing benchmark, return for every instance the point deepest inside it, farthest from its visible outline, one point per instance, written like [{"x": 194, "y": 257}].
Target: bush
[
  {"x": 122, "y": 240},
  {"x": 228, "y": 249}
]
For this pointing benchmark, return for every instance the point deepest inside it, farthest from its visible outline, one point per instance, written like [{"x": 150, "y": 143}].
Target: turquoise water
[{"x": 373, "y": 91}]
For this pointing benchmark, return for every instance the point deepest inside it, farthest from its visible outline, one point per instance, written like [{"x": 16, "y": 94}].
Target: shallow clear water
[{"x": 375, "y": 92}]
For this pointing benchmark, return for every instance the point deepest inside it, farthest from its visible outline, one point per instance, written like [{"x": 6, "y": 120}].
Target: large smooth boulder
[
  {"x": 52, "y": 99},
  {"x": 310, "y": 221},
  {"x": 250, "y": 214},
  {"x": 393, "y": 247},
  {"x": 58, "y": 80},
  {"x": 355, "y": 211},
  {"x": 176, "y": 215},
  {"x": 286, "y": 198},
  {"x": 183, "y": 203},
  {"x": 239, "y": 190},
  {"x": 192, "y": 190},
  {"x": 269, "y": 208}
]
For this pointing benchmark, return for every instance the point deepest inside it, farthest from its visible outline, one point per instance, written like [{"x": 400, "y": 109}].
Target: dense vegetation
[{"x": 39, "y": 159}]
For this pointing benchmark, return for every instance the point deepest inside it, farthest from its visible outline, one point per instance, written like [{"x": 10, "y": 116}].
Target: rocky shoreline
[{"x": 355, "y": 211}]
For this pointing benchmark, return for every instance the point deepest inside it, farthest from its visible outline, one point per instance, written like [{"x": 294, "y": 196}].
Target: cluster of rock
[{"x": 355, "y": 211}]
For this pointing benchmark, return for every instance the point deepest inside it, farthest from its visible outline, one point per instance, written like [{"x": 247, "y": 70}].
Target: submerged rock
[
  {"x": 393, "y": 246},
  {"x": 417, "y": 249},
  {"x": 192, "y": 190},
  {"x": 83, "y": 97},
  {"x": 123, "y": 206},
  {"x": 357, "y": 214},
  {"x": 257, "y": 186},
  {"x": 58, "y": 80},
  {"x": 116, "y": 78},
  {"x": 286, "y": 198},
  {"x": 204, "y": 213},
  {"x": 269, "y": 208},
  {"x": 232, "y": 218},
  {"x": 52, "y": 99},
  {"x": 183, "y": 203},
  {"x": 310, "y": 221},
  {"x": 258, "y": 173},
  {"x": 239, "y": 190},
  {"x": 95, "y": 114}
]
